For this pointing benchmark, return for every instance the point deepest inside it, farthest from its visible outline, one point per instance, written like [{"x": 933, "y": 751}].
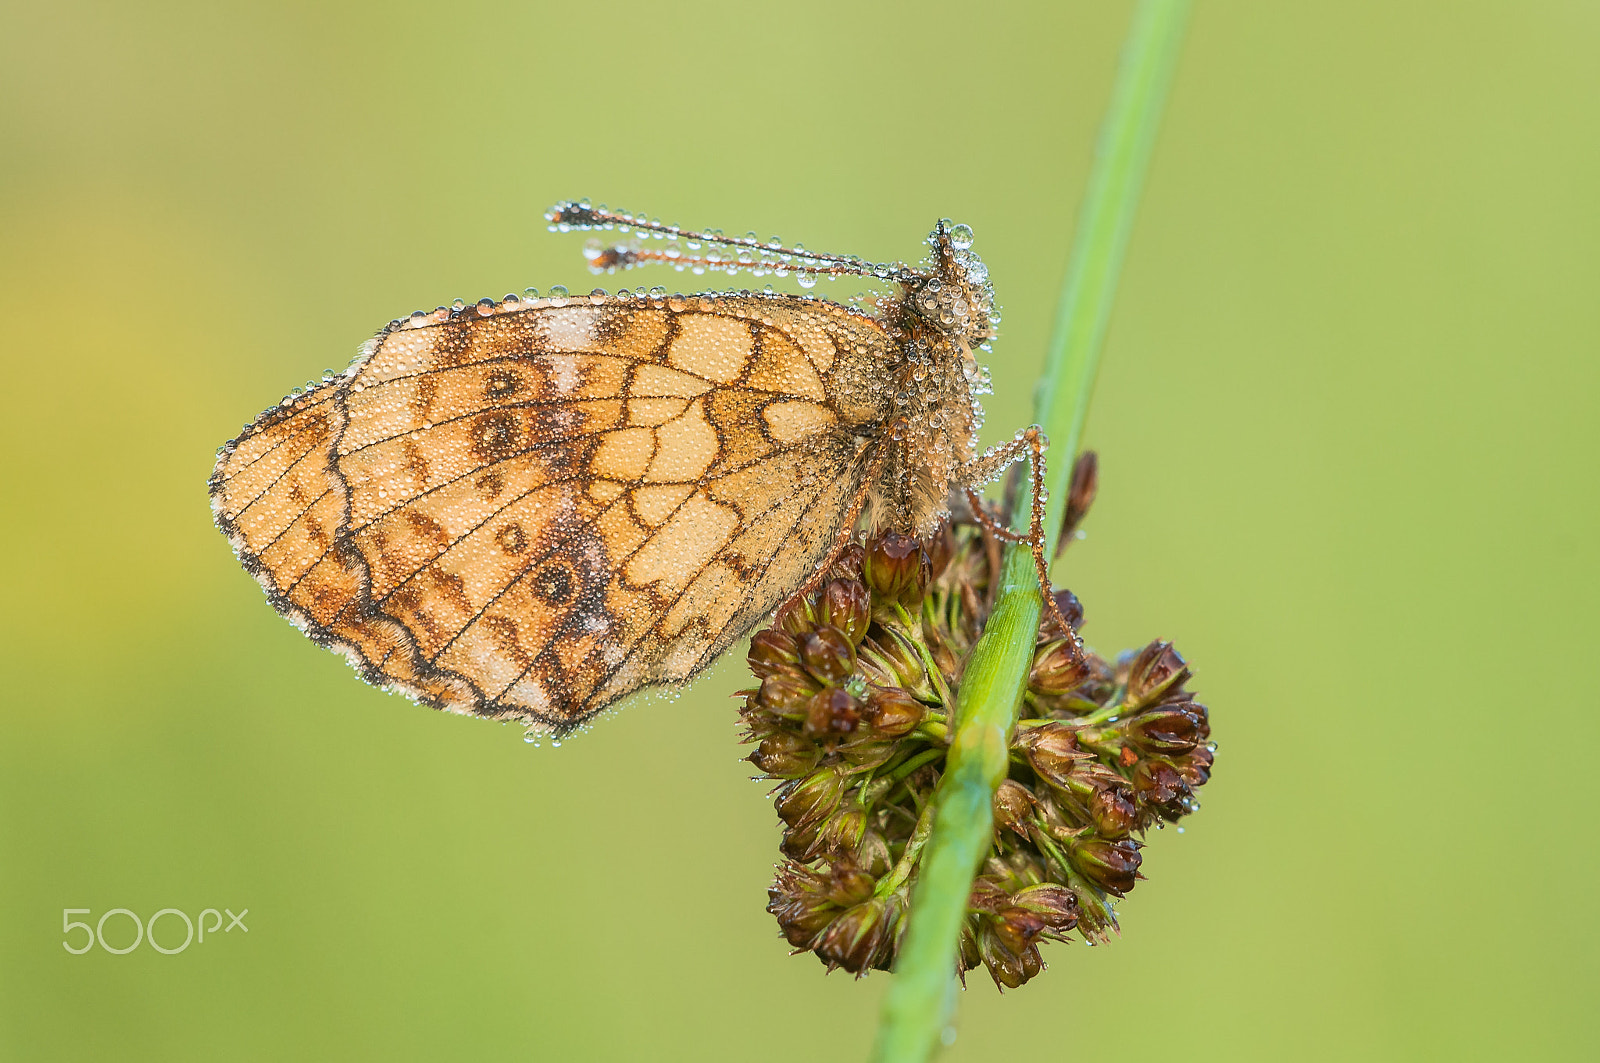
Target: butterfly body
[{"x": 528, "y": 508}]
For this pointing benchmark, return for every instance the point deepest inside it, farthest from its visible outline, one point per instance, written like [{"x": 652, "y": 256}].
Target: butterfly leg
[{"x": 1031, "y": 445}]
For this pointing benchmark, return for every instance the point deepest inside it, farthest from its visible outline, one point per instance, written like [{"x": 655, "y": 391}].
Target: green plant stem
[{"x": 917, "y": 1007}]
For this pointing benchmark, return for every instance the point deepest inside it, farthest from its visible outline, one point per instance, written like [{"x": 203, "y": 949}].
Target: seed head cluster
[{"x": 852, "y": 719}]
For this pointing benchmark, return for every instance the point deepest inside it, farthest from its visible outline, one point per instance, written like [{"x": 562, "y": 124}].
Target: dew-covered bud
[
  {"x": 785, "y": 755},
  {"x": 832, "y": 712},
  {"x": 1161, "y": 788},
  {"x": 1156, "y": 670},
  {"x": 1169, "y": 728},
  {"x": 787, "y": 694},
  {"x": 897, "y": 568},
  {"x": 1014, "y": 804},
  {"x": 1053, "y": 753},
  {"x": 893, "y": 712},
  {"x": 1111, "y": 865},
  {"x": 773, "y": 651},
  {"x": 828, "y": 655},
  {"x": 1113, "y": 812},
  {"x": 863, "y": 937},
  {"x": 847, "y": 606},
  {"x": 1058, "y": 667},
  {"x": 1196, "y": 766}
]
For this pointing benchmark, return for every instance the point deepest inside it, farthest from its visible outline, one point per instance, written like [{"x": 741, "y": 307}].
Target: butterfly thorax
[{"x": 942, "y": 316}]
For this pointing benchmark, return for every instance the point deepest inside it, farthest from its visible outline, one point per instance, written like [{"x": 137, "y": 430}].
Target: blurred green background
[{"x": 1347, "y": 419}]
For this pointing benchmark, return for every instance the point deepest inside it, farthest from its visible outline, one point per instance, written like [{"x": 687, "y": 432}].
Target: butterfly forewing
[{"x": 529, "y": 510}]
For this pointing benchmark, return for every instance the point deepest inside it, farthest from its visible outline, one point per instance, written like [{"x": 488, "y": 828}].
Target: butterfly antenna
[{"x": 744, "y": 252}]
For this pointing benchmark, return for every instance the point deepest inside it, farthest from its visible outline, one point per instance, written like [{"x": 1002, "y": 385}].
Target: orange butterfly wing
[{"x": 527, "y": 513}]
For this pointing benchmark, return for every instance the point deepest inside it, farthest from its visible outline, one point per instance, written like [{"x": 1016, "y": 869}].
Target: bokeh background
[{"x": 1347, "y": 418}]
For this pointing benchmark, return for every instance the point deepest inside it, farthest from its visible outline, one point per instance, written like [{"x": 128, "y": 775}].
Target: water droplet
[
  {"x": 961, "y": 237},
  {"x": 807, "y": 280},
  {"x": 558, "y": 291}
]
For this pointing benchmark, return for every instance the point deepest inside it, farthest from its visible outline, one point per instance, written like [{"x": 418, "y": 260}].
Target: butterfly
[{"x": 528, "y": 508}]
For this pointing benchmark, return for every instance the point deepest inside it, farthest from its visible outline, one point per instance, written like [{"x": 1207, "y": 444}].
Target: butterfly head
[{"x": 955, "y": 296}]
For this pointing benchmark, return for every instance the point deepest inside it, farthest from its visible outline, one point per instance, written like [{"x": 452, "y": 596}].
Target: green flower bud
[{"x": 890, "y": 659}]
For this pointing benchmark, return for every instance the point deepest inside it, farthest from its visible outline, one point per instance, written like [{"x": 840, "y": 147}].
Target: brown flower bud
[
  {"x": 847, "y": 885},
  {"x": 1111, "y": 865},
  {"x": 1156, "y": 670},
  {"x": 897, "y": 568},
  {"x": 773, "y": 651},
  {"x": 1013, "y": 807},
  {"x": 844, "y": 832},
  {"x": 863, "y": 937},
  {"x": 1055, "y": 905},
  {"x": 1113, "y": 812},
  {"x": 1071, "y": 611},
  {"x": 785, "y": 755},
  {"x": 1158, "y": 783},
  {"x": 811, "y": 799},
  {"x": 847, "y": 606},
  {"x": 1170, "y": 728},
  {"x": 893, "y": 712},
  {"x": 1057, "y": 667},
  {"x": 832, "y": 712},
  {"x": 1053, "y": 753},
  {"x": 1008, "y": 969},
  {"x": 848, "y": 563},
  {"x": 787, "y": 694},
  {"x": 800, "y": 616},
  {"x": 798, "y": 898},
  {"x": 1196, "y": 767},
  {"x": 1081, "y": 490},
  {"x": 828, "y": 655}
]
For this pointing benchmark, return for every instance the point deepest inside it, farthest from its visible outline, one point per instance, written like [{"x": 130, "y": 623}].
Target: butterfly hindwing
[{"x": 528, "y": 512}]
